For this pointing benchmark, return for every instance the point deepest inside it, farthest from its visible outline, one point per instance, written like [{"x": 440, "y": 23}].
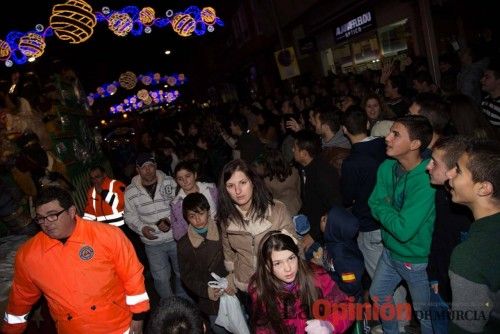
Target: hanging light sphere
[
  {"x": 4, "y": 50},
  {"x": 120, "y": 24},
  {"x": 73, "y": 21},
  {"x": 128, "y": 80},
  {"x": 208, "y": 15},
  {"x": 183, "y": 24},
  {"x": 147, "y": 15},
  {"x": 32, "y": 45}
]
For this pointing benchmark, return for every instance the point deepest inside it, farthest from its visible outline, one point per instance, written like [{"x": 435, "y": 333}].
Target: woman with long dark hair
[
  {"x": 246, "y": 211},
  {"x": 281, "y": 178},
  {"x": 285, "y": 287}
]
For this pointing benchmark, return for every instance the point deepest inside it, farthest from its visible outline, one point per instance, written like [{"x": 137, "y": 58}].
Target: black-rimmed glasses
[{"x": 50, "y": 218}]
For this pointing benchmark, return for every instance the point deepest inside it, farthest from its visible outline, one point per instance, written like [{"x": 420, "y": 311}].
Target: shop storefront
[
  {"x": 362, "y": 37},
  {"x": 360, "y": 43}
]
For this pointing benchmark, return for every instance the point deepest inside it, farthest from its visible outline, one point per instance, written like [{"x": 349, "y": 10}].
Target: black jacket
[
  {"x": 320, "y": 192},
  {"x": 451, "y": 227},
  {"x": 359, "y": 175}
]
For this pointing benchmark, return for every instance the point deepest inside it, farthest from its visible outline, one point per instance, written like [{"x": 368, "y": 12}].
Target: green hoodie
[{"x": 403, "y": 202}]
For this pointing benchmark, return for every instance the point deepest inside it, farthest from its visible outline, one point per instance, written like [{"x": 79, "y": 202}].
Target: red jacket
[
  {"x": 93, "y": 282},
  {"x": 295, "y": 316},
  {"x": 108, "y": 206}
]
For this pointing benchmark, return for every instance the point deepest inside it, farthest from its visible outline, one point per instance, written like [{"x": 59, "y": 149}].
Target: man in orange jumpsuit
[
  {"x": 105, "y": 199},
  {"x": 88, "y": 272}
]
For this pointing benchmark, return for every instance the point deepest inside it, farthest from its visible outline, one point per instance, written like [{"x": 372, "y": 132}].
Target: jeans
[
  {"x": 162, "y": 259},
  {"x": 439, "y": 313},
  {"x": 388, "y": 275},
  {"x": 370, "y": 244}
]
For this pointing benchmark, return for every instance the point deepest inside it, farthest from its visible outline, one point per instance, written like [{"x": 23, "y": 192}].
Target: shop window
[
  {"x": 393, "y": 38},
  {"x": 365, "y": 50},
  {"x": 342, "y": 55}
]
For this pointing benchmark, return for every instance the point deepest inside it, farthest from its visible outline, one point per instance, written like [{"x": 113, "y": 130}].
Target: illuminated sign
[{"x": 354, "y": 26}]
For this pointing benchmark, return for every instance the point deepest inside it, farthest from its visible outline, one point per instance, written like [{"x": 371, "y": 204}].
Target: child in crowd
[
  {"x": 200, "y": 254},
  {"x": 403, "y": 202},
  {"x": 474, "y": 265},
  {"x": 175, "y": 315},
  {"x": 285, "y": 287}
]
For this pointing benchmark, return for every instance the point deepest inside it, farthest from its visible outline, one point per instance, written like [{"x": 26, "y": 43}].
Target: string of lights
[{"x": 74, "y": 22}]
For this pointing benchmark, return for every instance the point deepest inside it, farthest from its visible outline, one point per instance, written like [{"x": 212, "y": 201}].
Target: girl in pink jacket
[{"x": 285, "y": 287}]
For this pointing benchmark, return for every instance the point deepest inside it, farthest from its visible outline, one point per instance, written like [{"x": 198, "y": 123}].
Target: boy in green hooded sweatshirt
[{"x": 403, "y": 202}]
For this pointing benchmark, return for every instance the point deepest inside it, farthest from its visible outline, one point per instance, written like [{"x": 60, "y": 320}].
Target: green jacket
[
  {"x": 403, "y": 202},
  {"x": 475, "y": 279}
]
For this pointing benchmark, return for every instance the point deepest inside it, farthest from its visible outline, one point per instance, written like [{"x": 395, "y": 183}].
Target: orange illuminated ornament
[
  {"x": 208, "y": 15},
  {"x": 147, "y": 16},
  {"x": 143, "y": 94},
  {"x": 120, "y": 23},
  {"x": 73, "y": 21},
  {"x": 128, "y": 80},
  {"x": 4, "y": 50},
  {"x": 183, "y": 24},
  {"x": 32, "y": 45}
]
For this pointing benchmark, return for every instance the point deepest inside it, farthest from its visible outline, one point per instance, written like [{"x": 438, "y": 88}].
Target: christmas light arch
[{"x": 74, "y": 22}]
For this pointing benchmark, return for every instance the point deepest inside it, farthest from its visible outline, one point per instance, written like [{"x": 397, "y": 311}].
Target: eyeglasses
[{"x": 50, "y": 218}]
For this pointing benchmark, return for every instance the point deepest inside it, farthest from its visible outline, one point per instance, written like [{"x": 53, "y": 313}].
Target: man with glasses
[
  {"x": 105, "y": 201},
  {"x": 88, "y": 272}
]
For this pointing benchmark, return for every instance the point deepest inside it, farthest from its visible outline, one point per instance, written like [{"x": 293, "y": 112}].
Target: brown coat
[
  {"x": 198, "y": 258},
  {"x": 241, "y": 243},
  {"x": 287, "y": 191}
]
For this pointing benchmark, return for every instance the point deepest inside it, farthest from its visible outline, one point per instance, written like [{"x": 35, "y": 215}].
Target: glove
[
  {"x": 213, "y": 293},
  {"x": 319, "y": 327}
]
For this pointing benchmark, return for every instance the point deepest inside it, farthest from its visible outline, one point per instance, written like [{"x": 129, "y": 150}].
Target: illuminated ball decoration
[
  {"x": 120, "y": 24},
  {"x": 4, "y": 50},
  {"x": 208, "y": 15},
  {"x": 147, "y": 15},
  {"x": 111, "y": 89},
  {"x": 100, "y": 91},
  {"x": 181, "y": 77},
  {"x": 171, "y": 81},
  {"x": 143, "y": 94},
  {"x": 32, "y": 45},
  {"x": 128, "y": 80},
  {"x": 157, "y": 77},
  {"x": 146, "y": 80},
  {"x": 73, "y": 21},
  {"x": 183, "y": 24}
]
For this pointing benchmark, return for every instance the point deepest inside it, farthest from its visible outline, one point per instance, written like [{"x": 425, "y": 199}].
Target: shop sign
[
  {"x": 287, "y": 63},
  {"x": 354, "y": 26}
]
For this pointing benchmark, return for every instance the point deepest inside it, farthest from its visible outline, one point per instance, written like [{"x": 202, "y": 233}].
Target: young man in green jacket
[
  {"x": 475, "y": 263},
  {"x": 403, "y": 202}
]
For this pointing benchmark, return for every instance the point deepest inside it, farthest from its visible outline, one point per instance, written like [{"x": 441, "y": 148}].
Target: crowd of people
[{"x": 378, "y": 189}]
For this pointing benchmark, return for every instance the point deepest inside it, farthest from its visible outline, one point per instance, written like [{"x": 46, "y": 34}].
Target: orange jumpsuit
[
  {"x": 93, "y": 282},
  {"x": 108, "y": 206}
]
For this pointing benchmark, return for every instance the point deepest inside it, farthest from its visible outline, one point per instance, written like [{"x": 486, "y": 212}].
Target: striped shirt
[{"x": 491, "y": 108}]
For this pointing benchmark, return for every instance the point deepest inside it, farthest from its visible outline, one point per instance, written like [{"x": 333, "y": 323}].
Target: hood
[{"x": 341, "y": 226}]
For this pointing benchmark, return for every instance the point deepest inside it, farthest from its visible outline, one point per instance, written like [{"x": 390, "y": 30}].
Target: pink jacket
[{"x": 295, "y": 316}]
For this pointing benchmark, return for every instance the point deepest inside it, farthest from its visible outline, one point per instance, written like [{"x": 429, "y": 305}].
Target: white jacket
[{"x": 141, "y": 210}]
